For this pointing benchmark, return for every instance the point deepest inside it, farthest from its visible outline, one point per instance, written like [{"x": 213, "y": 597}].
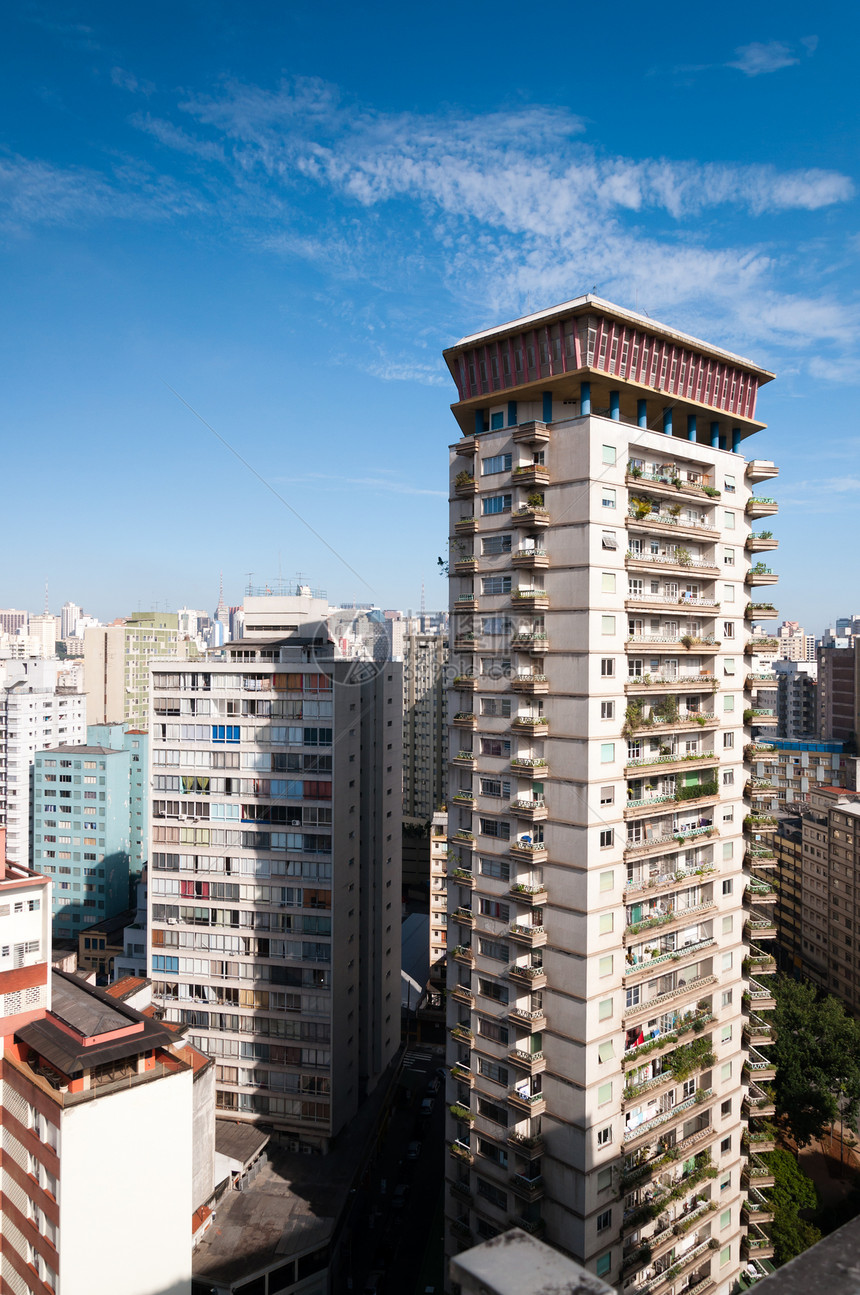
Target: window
[
  {"x": 727, "y": 961},
  {"x": 726, "y": 1071},
  {"x": 604, "y": 1136},
  {"x": 728, "y": 777},
  {"x": 728, "y": 557},
  {"x": 729, "y": 485},
  {"x": 494, "y": 544},
  {"x": 729, "y": 521},
  {"x": 607, "y": 923},
  {"x": 494, "y": 746},
  {"x": 604, "y": 1179},
  {"x": 604, "y": 1009},
  {"x": 497, "y": 868},
  {"x": 729, "y": 665},
  {"x": 605, "y": 837},
  {"x": 494, "y": 949},
  {"x": 728, "y": 629},
  {"x": 496, "y": 585},
  {"x": 604, "y": 1264},
  {"x": 496, "y": 706},
  {"x": 495, "y": 463},
  {"x": 607, "y": 710},
  {"x": 607, "y": 582},
  {"x": 729, "y": 593},
  {"x": 604, "y": 1220},
  {"x": 728, "y": 741},
  {"x": 605, "y": 1051},
  {"x": 725, "y": 1146},
  {"x": 605, "y": 965},
  {"x": 607, "y": 667},
  {"x": 725, "y": 1256},
  {"x": 497, "y": 419},
  {"x": 607, "y": 881},
  {"x": 607, "y": 752},
  {"x": 501, "y": 912},
  {"x": 607, "y": 497},
  {"x": 493, "y": 1071},
  {"x": 726, "y": 1031},
  {"x": 495, "y": 787},
  {"x": 726, "y": 998},
  {"x": 491, "y": 504},
  {"x": 496, "y": 828},
  {"x": 725, "y": 1219},
  {"x": 607, "y": 624},
  {"x": 728, "y": 702},
  {"x": 726, "y": 1108},
  {"x": 609, "y": 540},
  {"x": 607, "y": 795},
  {"x": 725, "y": 1183}
]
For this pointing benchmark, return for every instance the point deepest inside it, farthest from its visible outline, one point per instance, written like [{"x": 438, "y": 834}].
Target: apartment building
[
  {"x": 796, "y": 698},
  {"x": 82, "y": 1076},
  {"x": 794, "y": 642},
  {"x": 40, "y": 706},
  {"x": 80, "y": 832},
  {"x": 798, "y": 765},
  {"x": 425, "y": 725},
  {"x": 116, "y": 665},
  {"x": 838, "y": 692},
  {"x": 274, "y": 868},
  {"x": 830, "y": 872},
  {"x": 438, "y": 893},
  {"x": 607, "y": 950},
  {"x": 123, "y": 737}
]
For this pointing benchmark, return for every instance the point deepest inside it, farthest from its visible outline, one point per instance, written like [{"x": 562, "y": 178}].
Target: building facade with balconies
[{"x": 609, "y": 804}]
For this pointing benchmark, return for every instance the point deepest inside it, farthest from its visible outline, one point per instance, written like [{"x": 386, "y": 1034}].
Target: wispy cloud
[
  {"x": 763, "y": 56},
  {"x": 128, "y": 81}
]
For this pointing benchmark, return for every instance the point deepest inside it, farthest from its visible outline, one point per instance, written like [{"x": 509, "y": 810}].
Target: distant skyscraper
[
  {"x": 116, "y": 665},
  {"x": 425, "y": 725},
  {"x": 13, "y": 622},
  {"x": 70, "y": 614},
  {"x": 838, "y": 691}
]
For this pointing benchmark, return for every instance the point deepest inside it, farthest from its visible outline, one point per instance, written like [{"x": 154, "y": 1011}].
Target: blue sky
[{"x": 283, "y": 213}]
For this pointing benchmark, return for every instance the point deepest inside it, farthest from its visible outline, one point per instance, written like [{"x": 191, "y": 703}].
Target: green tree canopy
[
  {"x": 792, "y": 1191},
  {"x": 817, "y": 1057}
]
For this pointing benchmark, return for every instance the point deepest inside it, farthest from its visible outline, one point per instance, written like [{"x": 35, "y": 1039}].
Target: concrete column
[
  {"x": 736, "y": 440},
  {"x": 715, "y": 436},
  {"x": 585, "y": 398},
  {"x": 667, "y": 421},
  {"x": 691, "y": 427},
  {"x": 615, "y": 405},
  {"x": 642, "y": 413}
]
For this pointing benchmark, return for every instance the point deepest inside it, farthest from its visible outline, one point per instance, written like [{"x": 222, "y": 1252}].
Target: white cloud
[{"x": 761, "y": 57}]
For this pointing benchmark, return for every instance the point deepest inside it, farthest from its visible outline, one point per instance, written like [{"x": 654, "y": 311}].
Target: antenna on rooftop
[
  {"x": 423, "y": 603},
  {"x": 46, "y": 597}
]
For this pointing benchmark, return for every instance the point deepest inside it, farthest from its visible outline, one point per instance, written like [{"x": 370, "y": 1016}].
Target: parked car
[
  {"x": 427, "y": 1105},
  {"x": 434, "y": 1086},
  {"x": 413, "y": 1151},
  {"x": 398, "y": 1200}
]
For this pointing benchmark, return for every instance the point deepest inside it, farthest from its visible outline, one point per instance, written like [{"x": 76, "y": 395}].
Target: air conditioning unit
[
  {"x": 295, "y": 822},
  {"x": 294, "y": 1145}
]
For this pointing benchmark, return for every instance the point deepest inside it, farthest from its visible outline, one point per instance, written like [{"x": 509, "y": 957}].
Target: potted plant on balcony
[
  {"x": 535, "y": 500},
  {"x": 683, "y": 557}
]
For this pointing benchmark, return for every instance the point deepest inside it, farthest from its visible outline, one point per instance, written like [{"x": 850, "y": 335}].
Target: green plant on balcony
[
  {"x": 711, "y": 492},
  {"x": 683, "y": 557},
  {"x": 697, "y": 789},
  {"x": 763, "y": 535},
  {"x": 641, "y": 507},
  {"x": 461, "y": 1112},
  {"x": 634, "y": 471},
  {"x": 464, "y": 478},
  {"x": 535, "y": 500}
]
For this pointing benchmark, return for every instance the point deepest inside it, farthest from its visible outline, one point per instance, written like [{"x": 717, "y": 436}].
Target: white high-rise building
[
  {"x": 70, "y": 614},
  {"x": 607, "y": 790},
  {"x": 40, "y": 707},
  {"x": 274, "y": 867}
]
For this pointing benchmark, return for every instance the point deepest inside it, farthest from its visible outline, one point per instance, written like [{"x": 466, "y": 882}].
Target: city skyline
[{"x": 255, "y": 235}]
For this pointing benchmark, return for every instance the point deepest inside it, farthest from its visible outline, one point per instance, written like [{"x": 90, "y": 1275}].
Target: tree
[
  {"x": 792, "y": 1191},
  {"x": 817, "y": 1058}
]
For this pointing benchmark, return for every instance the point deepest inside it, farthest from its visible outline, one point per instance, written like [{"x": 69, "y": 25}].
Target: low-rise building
[
  {"x": 100, "y": 944},
  {"x": 797, "y": 765}
]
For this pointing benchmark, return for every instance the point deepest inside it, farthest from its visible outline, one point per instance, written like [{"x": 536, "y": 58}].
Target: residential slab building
[
  {"x": 796, "y": 698},
  {"x": 425, "y": 725},
  {"x": 797, "y": 765},
  {"x": 40, "y": 706},
  {"x": 838, "y": 693},
  {"x": 274, "y": 868},
  {"x": 123, "y": 737},
  {"x": 116, "y": 665},
  {"x": 608, "y": 809},
  {"x": 80, "y": 832},
  {"x": 794, "y": 642}
]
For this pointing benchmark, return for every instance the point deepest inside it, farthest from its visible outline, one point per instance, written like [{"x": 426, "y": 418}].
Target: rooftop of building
[
  {"x": 86, "y": 1028},
  {"x": 110, "y": 925},
  {"x": 293, "y": 1206},
  {"x": 126, "y": 987},
  {"x": 64, "y": 749},
  {"x": 589, "y": 303},
  {"x": 515, "y": 1263},
  {"x": 239, "y": 1141}
]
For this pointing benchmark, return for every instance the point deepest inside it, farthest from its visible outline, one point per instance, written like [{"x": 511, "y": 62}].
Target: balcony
[
  {"x": 465, "y": 759},
  {"x": 759, "y": 963},
  {"x": 464, "y": 877},
  {"x": 530, "y": 598},
  {"x": 464, "y": 837},
  {"x": 533, "y": 937},
  {"x": 531, "y": 433},
  {"x": 460, "y": 1190},
  {"x": 761, "y": 928},
  {"x": 530, "y": 766},
  {"x": 642, "y": 969},
  {"x": 465, "y": 566},
  {"x": 761, "y": 506},
  {"x": 462, "y": 1074},
  {"x": 537, "y": 724},
  {"x": 666, "y": 841},
  {"x": 523, "y": 974},
  {"x": 465, "y": 642},
  {"x": 705, "y": 680},
  {"x": 462, "y": 994},
  {"x": 760, "y": 823},
  {"x": 760, "y": 1069},
  {"x": 533, "y": 1021},
  {"x": 759, "y": 892},
  {"x": 464, "y": 954},
  {"x": 671, "y": 563},
  {"x": 659, "y": 602},
  {"x": 529, "y": 683},
  {"x": 757, "y": 1031},
  {"x": 530, "y": 474},
  {"x": 466, "y": 798},
  {"x": 758, "y": 1103},
  {"x": 530, "y": 1147},
  {"x": 765, "y": 644},
  {"x": 465, "y": 602},
  {"x": 529, "y": 807},
  {"x": 529, "y": 1188},
  {"x": 761, "y": 575},
  {"x": 466, "y": 526},
  {"x": 761, "y": 611},
  {"x": 760, "y": 998},
  {"x": 532, "y": 1062},
  {"x": 465, "y": 485},
  {"x": 763, "y": 542},
  {"x": 763, "y": 752},
  {"x": 530, "y": 558},
  {"x": 464, "y": 916},
  {"x": 761, "y": 470},
  {"x": 465, "y": 719},
  {"x": 682, "y": 527},
  {"x": 758, "y": 1244},
  {"x": 661, "y": 1044},
  {"x": 634, "y": 1135},
  {"x": 668, "y": 482},
  {"x": 533, "y": 851},
  {"x": 672, "y": 763},
  {"x": 533, "y": 641},
  {"x": 760, "y": 1140},
  {"x": 758, "y": 1174},
  {"x": 646, "y": 1009},
  {"x": 461, "y": 1151},
  {"x": 706, "y": 792},
  {"x": 760, "y": 789},
  {"x": 703, "y": 645},
  {"x": 666, "y": 922},
  {"x": 757, "y": 1209},
  {"x": 531, "y": 895},
  {"x": 667, "y": 881},
  {"x": 529, "y": 1103},
  {"x": 535, "y": 518}
]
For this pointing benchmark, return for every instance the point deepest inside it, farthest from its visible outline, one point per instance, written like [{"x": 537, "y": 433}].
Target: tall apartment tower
[
  {"x": 425, "y": 726},
  {"x": 116, "y": 665},
  {"x": 606, "y": 787},
  {"x": 39, "y": 707},
  {"x": 274, "y": 867}
]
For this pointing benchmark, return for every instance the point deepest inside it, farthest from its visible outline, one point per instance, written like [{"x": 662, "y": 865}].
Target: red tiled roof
[{"x": 128, "y": 985}]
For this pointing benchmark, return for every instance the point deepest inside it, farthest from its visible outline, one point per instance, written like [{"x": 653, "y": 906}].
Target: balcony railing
[{"x": 700, "y": 1097}]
